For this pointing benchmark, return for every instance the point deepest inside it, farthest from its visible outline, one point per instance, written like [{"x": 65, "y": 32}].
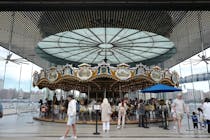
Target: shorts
[
  {"x": 179, "y": 116},
  {"x": 71, "y": 120},
  {"x": 174, "y": 115}
]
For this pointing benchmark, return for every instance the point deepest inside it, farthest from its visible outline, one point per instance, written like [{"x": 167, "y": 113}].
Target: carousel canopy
[{"x": 98, "y": 78}]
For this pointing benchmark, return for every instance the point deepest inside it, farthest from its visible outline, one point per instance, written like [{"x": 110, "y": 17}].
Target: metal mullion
[
  {"x": 60, "y": 52},
  {"x": 95, "y": 35},
  {"x": 116, "y": 58},
  {"x": 133, "y": 53},
  {"x": 145, "y": 47},
  {"x": 72, "y": 38},
  {"x": 95, "y": 58},
  {"x": 65, "y": 47},
  {"x": 85, "y": 37},
  {"x": 125, "y": 56},
  {"x": 58, "y": 42},
  {"x": 111, "y": 61},
  {"x": 144, "y": 42},
  {"x": 115, "y": 35},
  {"x": 69, "y": 51},
  {"x": 141, "y": 50},
  {"x": 88, "y": 54},
  {"x": 126, "y": 36},
  {"x": 81, "y": 52},
  {"x": 138, "y": 38}
]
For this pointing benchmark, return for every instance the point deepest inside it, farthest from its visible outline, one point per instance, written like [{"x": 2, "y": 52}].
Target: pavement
[{"x": 23, "y": 127}]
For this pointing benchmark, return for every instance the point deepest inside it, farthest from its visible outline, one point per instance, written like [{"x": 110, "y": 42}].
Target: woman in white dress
[{"x": 106, "y": 112}]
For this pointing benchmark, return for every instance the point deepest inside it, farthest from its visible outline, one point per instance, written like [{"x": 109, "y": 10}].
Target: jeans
[
  {"x": 106, "y": 126},
  {"x": 141, "y": 120},
  {"x": 208, "y": 123}
]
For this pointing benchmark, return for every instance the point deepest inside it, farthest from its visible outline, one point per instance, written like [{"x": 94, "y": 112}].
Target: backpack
[{"x": 77, "y": 106}]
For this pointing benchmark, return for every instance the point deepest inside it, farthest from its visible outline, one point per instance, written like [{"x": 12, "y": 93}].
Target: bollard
[{"x": 97, "y": 108}]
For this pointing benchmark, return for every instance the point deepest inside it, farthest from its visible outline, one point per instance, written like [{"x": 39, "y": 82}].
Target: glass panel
[
  {"x": 138, "y": 35},
  {"x": 51, "y": 38},
  {"x": 99, "y": 32},
  {"x": 47, "y": 44},
  {"x": 164, "y": 44},
  {"x": 111, "y": 32},
  {"x": 160, "y": 38}
]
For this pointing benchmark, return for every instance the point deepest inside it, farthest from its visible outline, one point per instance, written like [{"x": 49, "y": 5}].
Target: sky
[{"x": 13, "y": 75}]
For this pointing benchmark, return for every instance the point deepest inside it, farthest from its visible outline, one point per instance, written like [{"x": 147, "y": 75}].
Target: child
[{"x": 195, "y": 120}]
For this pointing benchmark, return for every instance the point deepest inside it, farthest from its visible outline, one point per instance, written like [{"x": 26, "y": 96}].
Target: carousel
[
  {"x": 102, "y": 62},
  {"x": 99, "y": 82}
]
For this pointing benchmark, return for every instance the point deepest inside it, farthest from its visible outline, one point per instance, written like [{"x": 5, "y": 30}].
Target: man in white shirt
[
  {"x": 179, "y": 109},
  {"x": 71, "y": 122}
]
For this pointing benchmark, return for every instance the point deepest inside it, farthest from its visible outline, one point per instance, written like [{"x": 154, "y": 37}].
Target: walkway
[{"x": 24, "y": 128}]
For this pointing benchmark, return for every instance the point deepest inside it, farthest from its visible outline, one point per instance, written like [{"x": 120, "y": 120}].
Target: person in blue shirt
[
  {"x": 195, "y": 120},
  {"x": 1, "y": 110}
]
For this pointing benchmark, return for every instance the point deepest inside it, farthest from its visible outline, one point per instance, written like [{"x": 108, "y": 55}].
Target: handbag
[{"x": 109, "y": 111}]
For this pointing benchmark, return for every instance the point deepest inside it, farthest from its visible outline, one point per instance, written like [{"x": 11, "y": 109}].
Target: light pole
[
  {"x": 19, "y": 78},
  {"x": 18, "y": 88},
  {"x": 207, "y": 70},
  {"x": 193, "y": 83},
  {"x": 5, "y": 69},
  {"x": 31, "y": 82}
]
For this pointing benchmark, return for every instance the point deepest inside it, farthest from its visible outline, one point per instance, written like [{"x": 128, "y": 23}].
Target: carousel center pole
[
  {"x": 120, "y": 92},
  {"x": 88, "y": 93},
  {"x": 105, "y": 93}
]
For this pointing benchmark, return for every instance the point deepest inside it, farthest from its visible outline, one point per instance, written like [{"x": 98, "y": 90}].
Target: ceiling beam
[{"x": 30, "y": 5}]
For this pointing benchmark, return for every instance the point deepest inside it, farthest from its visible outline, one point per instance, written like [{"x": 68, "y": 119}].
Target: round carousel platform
[{"x": 99, "y": 122}]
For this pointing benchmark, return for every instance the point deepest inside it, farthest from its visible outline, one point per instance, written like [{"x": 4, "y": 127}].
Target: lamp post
[
  {"x": 5, "y": 69},
  {"x": 191, "y": 69},
  {"x": 31, "y": 82},
  {"x": 207, "y": 70}
]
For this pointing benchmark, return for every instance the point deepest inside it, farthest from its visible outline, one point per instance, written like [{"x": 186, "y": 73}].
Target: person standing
[
  {"x": 105, "y": 114},
  {"x": 206, "y": 112},
  {"x": 121, "y": 113},
  {"x": 141, "y": 112},
  {"x": 1, "y": 110},
  {"x": 195, "y": 120},
  {"x": 179, "y": 108},
  {"x": 55, "y": 100},
  {"x": 71, "y": 122},
  {"x": 201, "y": 118}
]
